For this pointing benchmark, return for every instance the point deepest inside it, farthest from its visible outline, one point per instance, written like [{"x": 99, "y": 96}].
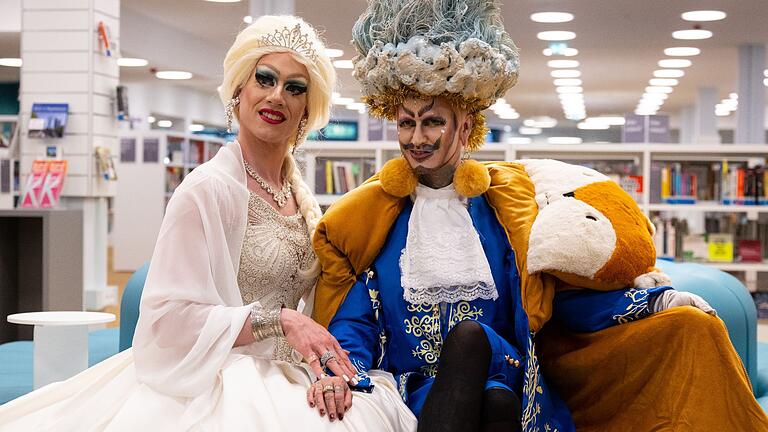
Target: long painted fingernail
[
  {"x": 322, "y": 413},
  {"x": 354, "y": 381},
  {"x": 346, "y": 378},
  {"x": 341, "y": 416},
  {"x": 331, "y": 416},
  {"x": 311, "y": 405}
]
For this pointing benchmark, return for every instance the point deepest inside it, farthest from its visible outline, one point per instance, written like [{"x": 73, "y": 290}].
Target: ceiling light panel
[
  {"x": 682, "y": 51},
  {"x": 563, "y": 64},
  {"x": 692, "y": 34},
  {"x": 556, "y": 35},
  {"x": 675, "y": 63},
  {"x": 565, "y": 73},
  {"x": 551, "y": 17},
  {"x": 703, "y": 15}
]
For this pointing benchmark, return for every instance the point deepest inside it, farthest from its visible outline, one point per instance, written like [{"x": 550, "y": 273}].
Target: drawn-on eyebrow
[
  {"x": 426, "y": 108},
  {"x": 276, "y": 72}
]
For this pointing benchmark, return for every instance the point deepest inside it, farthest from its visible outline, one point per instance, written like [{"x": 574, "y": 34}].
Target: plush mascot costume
[{"x": 581, "y": 289}]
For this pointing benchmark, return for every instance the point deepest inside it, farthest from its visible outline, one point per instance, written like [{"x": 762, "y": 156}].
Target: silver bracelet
[{"x": 265, "y": 323}]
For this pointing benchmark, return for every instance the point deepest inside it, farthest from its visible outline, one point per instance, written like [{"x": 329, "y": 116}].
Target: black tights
[{"x": 458, "y": 400}]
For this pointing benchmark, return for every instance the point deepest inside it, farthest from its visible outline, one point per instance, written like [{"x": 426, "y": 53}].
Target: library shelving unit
[
  {"x": 638, "y": 162},
  {"x": 151, "y": 165},
  {"x": 9, "y": 170}
]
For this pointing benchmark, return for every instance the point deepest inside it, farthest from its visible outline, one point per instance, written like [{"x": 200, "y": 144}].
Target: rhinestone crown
[{"x": 292, "y": 39}]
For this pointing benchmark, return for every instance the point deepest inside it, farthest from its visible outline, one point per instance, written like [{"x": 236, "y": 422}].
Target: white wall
[{"x": 178, "y": 101}]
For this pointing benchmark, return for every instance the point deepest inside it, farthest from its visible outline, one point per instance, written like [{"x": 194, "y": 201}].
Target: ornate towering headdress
[{"x": 457, "y": 49}]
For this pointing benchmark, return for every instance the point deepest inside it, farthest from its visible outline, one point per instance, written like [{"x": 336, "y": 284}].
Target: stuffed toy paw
[{"x": 652, "y": 279}]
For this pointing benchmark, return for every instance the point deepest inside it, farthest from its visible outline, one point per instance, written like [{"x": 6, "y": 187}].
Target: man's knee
[{"x": 469, "y": 335}]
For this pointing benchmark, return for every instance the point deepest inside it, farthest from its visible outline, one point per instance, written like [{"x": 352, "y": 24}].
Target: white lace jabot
[{"x": 443, "y": 260}]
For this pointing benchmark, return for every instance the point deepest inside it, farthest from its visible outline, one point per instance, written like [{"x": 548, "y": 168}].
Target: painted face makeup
[
  {"x": 274, "y": 99},
  {"x": 427, "y": 132}
]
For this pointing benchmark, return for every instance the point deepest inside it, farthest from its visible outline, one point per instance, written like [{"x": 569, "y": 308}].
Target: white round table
[{"x": 60, "y": 342}]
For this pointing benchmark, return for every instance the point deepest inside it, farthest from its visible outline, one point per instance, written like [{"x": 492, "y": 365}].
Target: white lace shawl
[
  {"x": 443, "y": 260},
  {"x": 191, "y": 309}
]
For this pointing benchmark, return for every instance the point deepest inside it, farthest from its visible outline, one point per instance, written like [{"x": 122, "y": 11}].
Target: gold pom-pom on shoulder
[
  {"x": 397, "y": 178},
  {"x": 471, "y": 179}
]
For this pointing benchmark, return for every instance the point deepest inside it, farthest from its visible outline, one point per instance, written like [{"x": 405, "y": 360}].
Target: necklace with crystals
[{"x": 280, "y": 197}]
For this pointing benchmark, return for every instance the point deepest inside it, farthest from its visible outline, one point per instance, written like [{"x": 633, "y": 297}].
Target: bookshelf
[
  {"x": 619, "y": 161},
  {"x": 150, "y": 167}
]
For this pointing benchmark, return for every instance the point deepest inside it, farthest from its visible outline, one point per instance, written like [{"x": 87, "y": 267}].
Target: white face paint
[{"x": 570, "y": 236}]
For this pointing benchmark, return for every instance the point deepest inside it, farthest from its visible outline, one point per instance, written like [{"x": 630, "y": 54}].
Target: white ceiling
[{"x": 619, "y": 43}]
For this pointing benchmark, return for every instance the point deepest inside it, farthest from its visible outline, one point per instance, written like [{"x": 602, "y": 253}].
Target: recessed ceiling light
[
  {"x": 568, "y": 52},
  {"x": 343, "y": 64},
  {"x": 722, "y": 113},
  {"x": 551, "y": 17},
  {"x": 342, "y": 101},
  {"x": 151, "y": 119},
  {"x": 333, "y": 52},
  {"x": 765, "y": 72},
  {"x": 131, "y": 62},
  {"x": 569, "y": 89},
  {"x": 247, "y": 19},
  {"x": 654, "y": 97},
  {"x": 668, "y": 73},
  {"x": 692, "y": 34},
  {"x": 565, "y": 73},
  {"x": 593, "y": 125},
  {"x": 609, "y": 120},
  {"x": 508, "y": 115},
  {"x": 173, "y": 75},
  {"x": 194, "y": 127},
  {"x": 525, "y": 130},
  {"x": 563, "y": 64},
  {"x": 682, "y": 51},
  {"x": 541, "y": 122},
  {"x": 556, "y": 35},
  {"x": 646, "y": 112},
  {"x": 164, "y": 123},
  {"x": 658, "y": 89},
  {"x": 675, "y": 63},
  {"x": 567, "y": 82},
  {"x": 564, "y": 140},
  {"x": 355, "y": 106},
  {"x": 519, "y": 140},
  {"x": 663, "y": 82},
  {"x": 10, "y": 62},
  {"x": 765, "y": 82},
  {"x": 703, "y": 15}
]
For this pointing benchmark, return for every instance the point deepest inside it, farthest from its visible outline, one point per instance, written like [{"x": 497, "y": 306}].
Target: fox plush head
[{"x": 588, "y": 232}]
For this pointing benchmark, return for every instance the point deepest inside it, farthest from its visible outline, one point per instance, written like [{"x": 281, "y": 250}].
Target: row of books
[
  {"x": 728, "y": 238},
  {"x": 723, "y": 182},
  {"x": 339, "y": 176}
]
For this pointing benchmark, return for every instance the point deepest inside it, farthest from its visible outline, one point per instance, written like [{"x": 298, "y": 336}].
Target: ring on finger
[
  {"x": 326, "y": 357},
  {"x": 328, "y": 389}
]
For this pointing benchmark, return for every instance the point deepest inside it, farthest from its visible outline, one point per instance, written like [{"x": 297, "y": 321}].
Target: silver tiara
[{"x": 292, "y": 39}]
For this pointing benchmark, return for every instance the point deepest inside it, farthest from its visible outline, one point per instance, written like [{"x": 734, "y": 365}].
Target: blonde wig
[{"x": 298, "y": 38}]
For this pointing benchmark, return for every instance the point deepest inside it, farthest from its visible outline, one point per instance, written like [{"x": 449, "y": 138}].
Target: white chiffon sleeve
[{"x": 191, "y": 311}]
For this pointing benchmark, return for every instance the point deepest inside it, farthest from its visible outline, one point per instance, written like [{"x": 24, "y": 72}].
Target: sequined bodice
[{"x": 276, "y": 251}]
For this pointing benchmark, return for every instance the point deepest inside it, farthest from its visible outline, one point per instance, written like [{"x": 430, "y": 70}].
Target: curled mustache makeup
[{"x": 425, "y": 147}]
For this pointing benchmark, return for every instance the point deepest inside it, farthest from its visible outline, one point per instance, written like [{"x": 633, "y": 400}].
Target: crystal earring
[
  {"x": 229, "y": 112},
  {"x": 300, "y": 134}
]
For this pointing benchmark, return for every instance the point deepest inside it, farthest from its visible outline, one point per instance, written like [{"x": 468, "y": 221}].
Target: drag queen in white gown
[{"x": 219, "y": 344}]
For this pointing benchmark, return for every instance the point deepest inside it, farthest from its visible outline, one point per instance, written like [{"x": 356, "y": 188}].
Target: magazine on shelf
[
  {"x": 44, "y": 184},
  {"x": 48, "y": 120}
]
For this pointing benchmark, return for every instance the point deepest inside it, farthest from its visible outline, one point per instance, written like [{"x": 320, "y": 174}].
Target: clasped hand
[{"x": 321, "y": 350}]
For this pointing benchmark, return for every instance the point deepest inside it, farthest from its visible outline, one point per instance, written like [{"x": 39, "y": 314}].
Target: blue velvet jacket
[{"x": 383, "y": 331}]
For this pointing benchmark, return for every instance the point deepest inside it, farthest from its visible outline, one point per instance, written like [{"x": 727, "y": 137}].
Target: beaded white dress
[{"x": 260, "y": 387}]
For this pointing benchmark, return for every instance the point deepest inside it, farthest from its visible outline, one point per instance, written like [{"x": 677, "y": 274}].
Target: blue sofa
[{"x": 724, "y": 292}]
